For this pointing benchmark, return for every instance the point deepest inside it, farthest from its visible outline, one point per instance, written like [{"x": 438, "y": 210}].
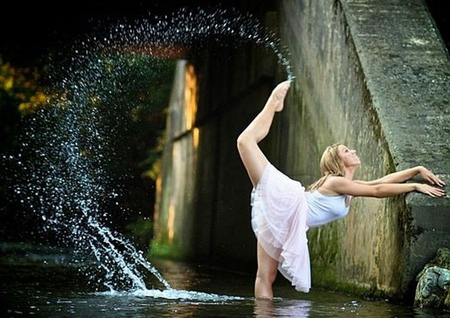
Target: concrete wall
[{"x": 372, "y": 74}]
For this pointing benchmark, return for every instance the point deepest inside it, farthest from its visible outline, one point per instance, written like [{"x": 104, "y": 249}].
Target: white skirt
[{"x": 279, "y": 212}]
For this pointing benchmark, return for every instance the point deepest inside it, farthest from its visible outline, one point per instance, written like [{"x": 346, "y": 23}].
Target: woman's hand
[
  {"x": 429, "y": 190},
  {"x": 429, "y": 177}
]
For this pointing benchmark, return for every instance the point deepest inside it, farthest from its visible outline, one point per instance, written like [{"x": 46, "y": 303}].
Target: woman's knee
[
  {"x": 267, "y": 275},
  {"x": 242, "y": 141}
]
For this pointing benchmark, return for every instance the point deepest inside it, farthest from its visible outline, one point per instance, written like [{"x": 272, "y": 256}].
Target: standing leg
[
  {"x": 266, "y": 274},
  {"x": 252, "y": 157}
]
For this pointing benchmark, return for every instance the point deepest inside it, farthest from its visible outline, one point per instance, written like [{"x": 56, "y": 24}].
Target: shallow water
[{"x": 42, "y": 282}]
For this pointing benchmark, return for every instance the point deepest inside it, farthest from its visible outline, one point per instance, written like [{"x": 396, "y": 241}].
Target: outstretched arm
[
  {"x": 342, "y": 185},
  {"x": 407, "y": 174}
]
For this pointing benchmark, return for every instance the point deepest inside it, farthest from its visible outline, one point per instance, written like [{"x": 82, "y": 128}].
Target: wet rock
[{"x": 433, "y": 287}]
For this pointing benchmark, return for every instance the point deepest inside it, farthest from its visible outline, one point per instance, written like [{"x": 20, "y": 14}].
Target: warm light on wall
[
  {"x": 190, "y": 95},
  {"x": 158, "y": 196},
  {"x": 170, "y": 223},
  {"x": 195, "y": 138},
  {"x": 178, "y": 181}
]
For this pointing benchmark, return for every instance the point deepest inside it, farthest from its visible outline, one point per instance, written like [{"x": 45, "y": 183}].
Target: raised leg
[{"x": 253, "y": 158}]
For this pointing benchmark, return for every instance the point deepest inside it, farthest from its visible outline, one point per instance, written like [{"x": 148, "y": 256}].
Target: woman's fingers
[
  {"x": 431, "y": 190},
  {"x": 433, "y": 179},
  {"x": 435, "y": 192}
]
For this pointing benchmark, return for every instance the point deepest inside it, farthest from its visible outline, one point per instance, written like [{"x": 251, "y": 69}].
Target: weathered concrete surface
[
  {"x": 372, "y": 74},
  {"x": 176, "y": 184}
]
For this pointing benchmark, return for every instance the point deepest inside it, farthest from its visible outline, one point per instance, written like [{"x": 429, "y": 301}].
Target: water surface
[{"x": 44, "y": 282}]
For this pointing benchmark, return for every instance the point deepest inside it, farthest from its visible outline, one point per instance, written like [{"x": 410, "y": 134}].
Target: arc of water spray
[{"x": 183, "y": 27}]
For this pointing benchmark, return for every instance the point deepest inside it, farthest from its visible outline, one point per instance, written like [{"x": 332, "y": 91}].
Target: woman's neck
[{"x": 350, "y": 172}]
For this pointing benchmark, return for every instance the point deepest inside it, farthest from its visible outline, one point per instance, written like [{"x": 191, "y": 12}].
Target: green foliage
[
  {"x": 21, "y": 88},
  {"x": 168, "y": 251},
  {"x": 140, "y": 232},
  {"x": 21, "y": 93}
]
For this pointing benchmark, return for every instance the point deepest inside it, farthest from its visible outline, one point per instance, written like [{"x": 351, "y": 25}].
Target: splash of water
[
  {"x": 70, "y": 145},
  {"x": 186, "y": 31},
  {"x": 171, "y": 293}
]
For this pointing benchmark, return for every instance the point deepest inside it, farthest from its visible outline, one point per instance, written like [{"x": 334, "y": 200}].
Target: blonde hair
[{"x": 330, "y": 165}]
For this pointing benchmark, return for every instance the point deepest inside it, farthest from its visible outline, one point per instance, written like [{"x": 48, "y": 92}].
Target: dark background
[{"x": 28, "y": 30}]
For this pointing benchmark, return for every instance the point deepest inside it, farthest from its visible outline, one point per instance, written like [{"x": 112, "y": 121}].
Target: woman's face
[{"x": 348, "y": 156}]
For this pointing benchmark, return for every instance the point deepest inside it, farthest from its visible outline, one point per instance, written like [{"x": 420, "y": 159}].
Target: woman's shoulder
[{"x": 332, "y": 185}]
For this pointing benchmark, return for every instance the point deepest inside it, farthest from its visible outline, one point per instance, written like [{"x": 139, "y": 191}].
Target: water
[
  {"x": 65, "y": 160},
  {"x": 65, "y": 164},
  {"x": 42, "y": 281}
]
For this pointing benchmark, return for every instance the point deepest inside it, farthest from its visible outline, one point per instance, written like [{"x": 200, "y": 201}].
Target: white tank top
[{"x": 324, "y": 209}]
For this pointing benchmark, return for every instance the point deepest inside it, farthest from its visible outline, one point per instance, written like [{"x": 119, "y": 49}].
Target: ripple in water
[{"x": 68, "y": 148}]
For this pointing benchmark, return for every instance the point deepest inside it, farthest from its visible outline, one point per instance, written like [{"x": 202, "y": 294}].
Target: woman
[{"x": 282, "y": 211}]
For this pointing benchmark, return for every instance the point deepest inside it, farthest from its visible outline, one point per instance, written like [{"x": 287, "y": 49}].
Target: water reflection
[
  {"x": 282, "y": 308},
  {"x": 43, "y": 282}
]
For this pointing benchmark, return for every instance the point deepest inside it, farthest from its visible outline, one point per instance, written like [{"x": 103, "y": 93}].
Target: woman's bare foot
[{"x": 276, "y": 99}]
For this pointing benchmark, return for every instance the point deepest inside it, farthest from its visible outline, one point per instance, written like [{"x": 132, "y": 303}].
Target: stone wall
[
  {"x": 374, "y": 75},
  {"x": 371, "y": 74}
]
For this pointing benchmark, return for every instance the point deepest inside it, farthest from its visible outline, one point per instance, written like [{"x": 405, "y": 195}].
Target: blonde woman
[{"x": 282, "y": 210}]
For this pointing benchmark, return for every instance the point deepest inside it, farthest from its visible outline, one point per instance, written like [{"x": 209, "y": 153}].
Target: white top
[{"x": 323, "y": 209}]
